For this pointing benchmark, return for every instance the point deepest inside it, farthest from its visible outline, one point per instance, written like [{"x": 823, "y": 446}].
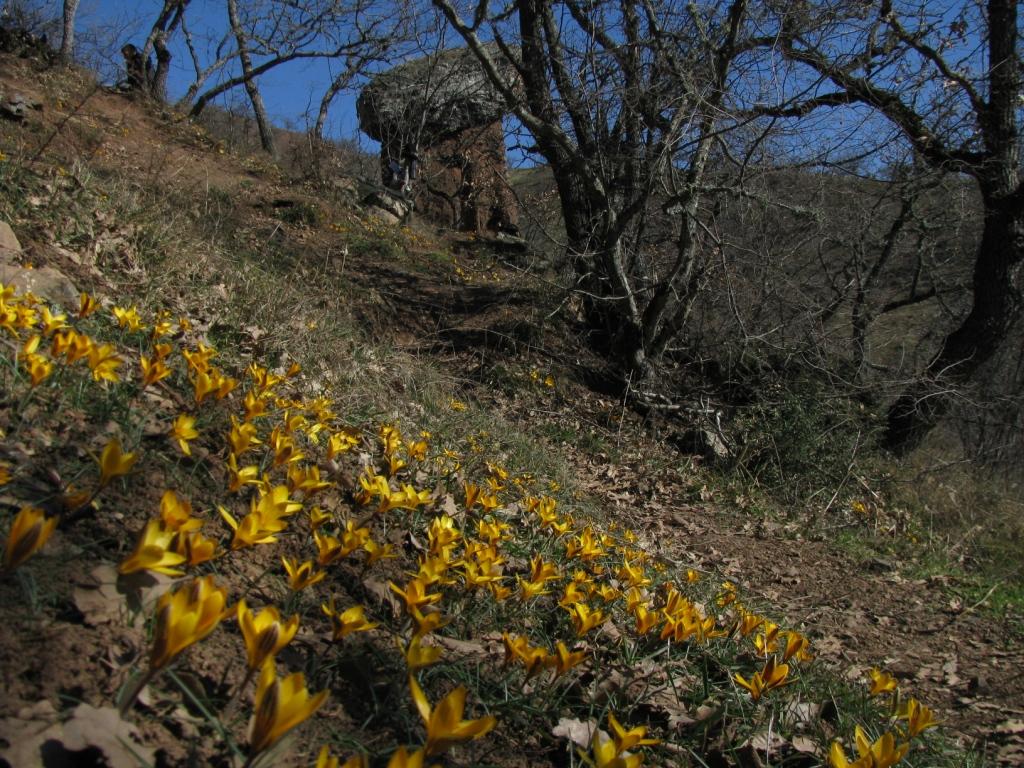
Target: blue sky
[{"x": 290, "y": 91}]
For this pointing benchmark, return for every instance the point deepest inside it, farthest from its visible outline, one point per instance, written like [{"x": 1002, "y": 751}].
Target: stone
[
  {"x": 386, "y": 216},
  {"x": 45, "y": 282},
  {"x": 704, "y": 442},
  {"x": 8, "y": 240},
  {"x": 434, "y": 97},
  {"x": 385, "y": 201},
  {"x": 441, "y": 116}
]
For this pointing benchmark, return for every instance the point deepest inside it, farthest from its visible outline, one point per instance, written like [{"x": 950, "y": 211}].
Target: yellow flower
[
  {"x": 128, "y": 318},
  {"x": 345, "y": 623},
  {"x": 341, "y": 442},
  {"x": 415, "y": 593},
  {"x": 625, "y": 740},
  {"x": 519, "y": 648},
  {"x": 919, "y": 718},
  {"x": 306, "y": 479},
  {"x": 153, "y": 370},
  {"x": 748, "y": 622},
  {"x": 796, "y": 646},
  {"x": 184, "y": 429},
  {"x": 239, "y": 476},
  {"x": 242, "y": 436},
  {"x": 646, "y": 620},
  {"x": 377, "y": 552},
  {"x": 280, "y": 706},
  {"x": 605, "y": 754},
  {"x": 153, "y": 552},
  {"x": 881, "y": 682},
  {"x": 254, "y": 406},
  {"x": 176, "y": 513},
  {"x": 184, "y": 617},
  {"x": 418, "y": 655},
  {"x": 883, "y": 753},
  {"x": 86, "y": 305},
  {"x": 38, "y": 368},
  {"x": 301, "y": 575},
  {"x": 772, "y": 676},
  {"x": 113, "y": 462},
  {"x": 426, "y": 622},
  {"x": 103, "y": 362},
  {"x": 562, "y": 660},
  {"x": 403, "y": 759},
  {"x": 584, "y": 619},
  {"x": 194, "y": 547},
  {"x": 445, "y": 726},
  {"x": 253, "y": 529},
  {"x": 75, "y": 346},
  {"x": 264, "y": 633},
  {"x": 325, "y": 760},
  {"x": 28, "y": 534}
]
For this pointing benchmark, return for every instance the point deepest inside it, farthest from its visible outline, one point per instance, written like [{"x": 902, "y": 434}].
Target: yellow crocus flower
[
  {"x": 86, "y": 305},
  {"x": 103, "y": 362},
  {"x": 242, "y": 436},
  {"x": 348, "y": 621},
  {"x": 584, "y": 619},
  {"x": 128, "y": 318},
  {"x": 153, "y": 552},
  {"x": 445, "y": 726},
  {"x": 519, "y": 648},
  {"x": 153, "y": 370},
  {"x": 562, "y": 660},
  {"x": 114, "y": 462},
  {"x": 185, "y": 616},
  {"x": 415, "y": 593},
  {"x": 881, "y": 682},
  {"x": 919, "y": 717},
  {"x": 772, "y": 676},
  {"x": 38, "y": 368},
  {"x": 176, "y": 513},
  {"x": 182, "y": 430},
  {"x": 418, "y": 656},
  {"x": 264, "y": 633},
  {"x": 883, "y": 753},
  {"x": 301, "y": 575},
  {"x": 280, "y": 706},
  {"x": 625, "y": 740},
  {"x": 605, "y": 754},
  {"x": 29, "y": 532}
]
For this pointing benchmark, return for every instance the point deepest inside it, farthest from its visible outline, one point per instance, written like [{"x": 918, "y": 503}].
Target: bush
[{"x": 799, "y": 437}]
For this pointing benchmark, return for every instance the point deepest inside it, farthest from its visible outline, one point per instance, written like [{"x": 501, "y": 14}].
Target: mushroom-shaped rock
[
  {"x": 433, "y": 98},
  {"x": 439, "y": 123}
]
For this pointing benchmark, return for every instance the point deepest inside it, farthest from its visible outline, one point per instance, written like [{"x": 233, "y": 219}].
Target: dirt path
[{"x": 959, "y": 660}]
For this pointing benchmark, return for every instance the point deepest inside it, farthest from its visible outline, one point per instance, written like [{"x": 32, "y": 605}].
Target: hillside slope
[{"x": 403, "y": 414}]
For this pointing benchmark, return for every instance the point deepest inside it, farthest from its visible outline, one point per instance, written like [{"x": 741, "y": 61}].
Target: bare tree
[
  {"x": 949, "y": 80},
  {"x": 67, "y": 42},
  {"x": 623, "y": 101},
  {"x": 251, "y": 88}
]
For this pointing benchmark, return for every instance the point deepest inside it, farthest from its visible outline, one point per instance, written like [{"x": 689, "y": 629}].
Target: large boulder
[
  {"x": 442, "y": 147},
  {"x": 434, "y": 97}
]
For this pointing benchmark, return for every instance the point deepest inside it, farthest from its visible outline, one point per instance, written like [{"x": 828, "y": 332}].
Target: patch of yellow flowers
[{"x": 281, "y": 453}]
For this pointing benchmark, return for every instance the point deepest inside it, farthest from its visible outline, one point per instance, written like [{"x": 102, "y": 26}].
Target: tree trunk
[
  {"x": 998, "y": 291},
  {"x": 251, "y": 88},
  {"x": 998, "y": 281},
  {"x": 67, "y": 42}
]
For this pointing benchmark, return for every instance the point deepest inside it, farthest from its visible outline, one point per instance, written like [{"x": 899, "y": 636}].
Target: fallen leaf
[{"x": 578, "y": 732}]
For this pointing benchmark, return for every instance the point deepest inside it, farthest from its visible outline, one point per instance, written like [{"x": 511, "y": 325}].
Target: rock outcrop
[
  {"x": 443, "y": 112},
  {"x": 45, "y": 282}
]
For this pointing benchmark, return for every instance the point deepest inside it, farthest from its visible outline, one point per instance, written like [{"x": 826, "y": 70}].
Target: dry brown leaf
[
  {"x": 99, "y": 728},
  {"x": 577, "y": 731}
]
